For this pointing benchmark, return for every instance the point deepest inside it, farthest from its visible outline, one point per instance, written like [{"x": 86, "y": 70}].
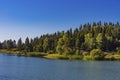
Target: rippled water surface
[{"x": 27, "y": 68}]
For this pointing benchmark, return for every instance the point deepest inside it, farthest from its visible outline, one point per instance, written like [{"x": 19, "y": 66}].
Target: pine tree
[{"x": 19, "y": 44}]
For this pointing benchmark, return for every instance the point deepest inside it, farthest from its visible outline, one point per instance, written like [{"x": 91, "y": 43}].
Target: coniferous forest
[{"x": 88, "y": 38}]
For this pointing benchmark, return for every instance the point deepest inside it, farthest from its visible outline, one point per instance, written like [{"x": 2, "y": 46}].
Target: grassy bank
[
  {"x": 112, "y": 57},
  {"x": 106, "y": 56},
  {"x": 66, "y": 57},
  {"x": 40, "y": 54},
  {"x": 22, "y": 53},
  {"x": 12, "y": 51}
]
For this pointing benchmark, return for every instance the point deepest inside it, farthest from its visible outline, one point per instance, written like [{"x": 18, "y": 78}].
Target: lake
[{"x": 29, "y": 68}]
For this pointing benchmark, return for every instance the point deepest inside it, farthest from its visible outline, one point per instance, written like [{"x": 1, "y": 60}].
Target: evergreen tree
[
  {"x": 28, "y": 46},
  {"x": 99, "y": 41},
  {"x": 89, "y": 41},
  {"x": 19, "y": 44},
  {"x": 59, "y": 47},
  {"x": 87, "y": 37},
  {"x": 0, "y": 45},
  {"x": 46, "y": 44}
]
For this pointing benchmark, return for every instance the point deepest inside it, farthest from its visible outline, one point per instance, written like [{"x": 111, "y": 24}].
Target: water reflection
[{"x": 26, "y": 68}]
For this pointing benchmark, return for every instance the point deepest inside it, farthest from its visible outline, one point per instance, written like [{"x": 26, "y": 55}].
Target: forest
[{"x": 88, "y": 39}]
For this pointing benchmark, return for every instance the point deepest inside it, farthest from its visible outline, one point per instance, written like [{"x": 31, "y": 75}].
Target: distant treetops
[{"x": 105, "y": 37}]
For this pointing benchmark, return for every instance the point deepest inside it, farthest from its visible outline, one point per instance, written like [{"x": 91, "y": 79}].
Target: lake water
[{"x": 28, "y": 68}]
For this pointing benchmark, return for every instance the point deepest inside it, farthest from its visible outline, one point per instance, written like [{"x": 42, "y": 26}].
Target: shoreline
[{"x": 108, "y": 57}]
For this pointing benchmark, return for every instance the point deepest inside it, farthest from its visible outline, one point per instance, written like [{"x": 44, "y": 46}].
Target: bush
[
  {"x": 87, "y": 57},
  {"x": 85, "y": 53},
  {"x": 96, "y": 54},
  {"x": 50, "y": 52},
  {"x": 35, "y": 54},
  {"x": 117, "y": 57},
  {"x": 77, "y": 52},
  {"x": 118, "y": 50},
  {"x": 75, "y": 57},
  {"x": 68, "y": 51},
  {"x": 109, "y": 57}
]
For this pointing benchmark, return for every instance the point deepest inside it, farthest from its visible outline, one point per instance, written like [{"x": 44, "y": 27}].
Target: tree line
[{"x": 87, "y": 37}]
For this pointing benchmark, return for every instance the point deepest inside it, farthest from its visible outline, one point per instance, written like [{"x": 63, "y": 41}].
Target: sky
[{"x": 31, "y": 18}]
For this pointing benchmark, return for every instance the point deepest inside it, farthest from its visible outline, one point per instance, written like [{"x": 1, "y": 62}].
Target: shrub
[
  {"x": 77, "y": 52},
  {"x": 50, "y": 52},
  {"x": 118, "y": 50},
  {"x": 117, "y": 57},
  {"x": 87, "y": 57},
  {"x": 96, "y": 54},
  {"x": 68, "y": 50},
  {"x": 109, "y": 57},
  {"x": 85, "y": 53},
  {"x": 75, "y": 57}
]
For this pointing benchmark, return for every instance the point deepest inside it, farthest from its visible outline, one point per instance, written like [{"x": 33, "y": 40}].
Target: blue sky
[{"x": 22, "y": 18}]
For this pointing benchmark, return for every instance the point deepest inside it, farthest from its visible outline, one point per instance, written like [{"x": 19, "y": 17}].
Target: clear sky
[{"x": 22, "y": 18}]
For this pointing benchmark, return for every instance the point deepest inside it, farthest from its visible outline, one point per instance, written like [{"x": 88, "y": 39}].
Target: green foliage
[
  {"x": 8, "y": 44},
  {"x": 59, "y": 48},
  {"x": 118, "y": 50},
  {"x": 87, "y": 37},
  {"x": 86, "y": 57},
  {"x": 77, "y": 52},
  {"x": 46, "y": 44},
  {"x": 64, "y": 45},
  {"x": 35, "y": 54},
  {"x": 0, "y": 45},
  {"x": 50, "y": 52},
  {"x": 112, "y": 56},
  {"x": 109, "y": 57},
  {"x": 67, "y": 51},
  {"x": 77, "y": 44},
  {"x": 19, "y": 44},
  {"x": 85, "y": 53},
  {"x": 28, "y": 46},
  {"x": 89, "y": 41},
  {"x": 99, "y": 41},
  {"x": 58, "y": 56},
  {"x": 75, "y": 57},
  {"x": 96, "y": 54},
  {"x": 117, "y": 57}
]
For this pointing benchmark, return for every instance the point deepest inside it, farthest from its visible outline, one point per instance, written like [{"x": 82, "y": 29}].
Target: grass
[
  {"x": 22, "y": 53},
  {"x": 117, "y": 56},
  {"x": 13, "y": 51},
  {"x": 112, "y": 57},
  {"x": 107, "y": 56},
  {"x": 58, "y": 56},
  {"x": 55, "y": 56},
  {"x": 35, "y": 54},
  {"x": 87, "y": 57},
  {"x": 39, "y": 54}
]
